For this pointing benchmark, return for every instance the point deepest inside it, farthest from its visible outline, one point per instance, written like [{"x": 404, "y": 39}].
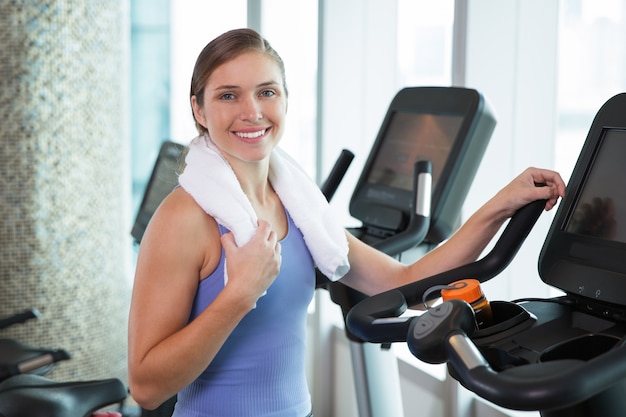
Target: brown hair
[{"x": 222, "y": 49}]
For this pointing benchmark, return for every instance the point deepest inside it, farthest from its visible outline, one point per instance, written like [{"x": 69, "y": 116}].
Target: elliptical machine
[
  {"x": 408, "y": 199},
  {"x": 563, "y": 356}
]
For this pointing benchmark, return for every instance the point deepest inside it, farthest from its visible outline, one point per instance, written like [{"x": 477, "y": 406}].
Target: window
[
  {"x": 425, "y": 30},
  {"x": 592, "y": 69},
  {"x": 166, "y": 38},
  {"x": 280, "y": 21},
  {"x": 194, "y": 24}
]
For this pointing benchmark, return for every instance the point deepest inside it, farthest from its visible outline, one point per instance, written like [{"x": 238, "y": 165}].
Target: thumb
[{"x": 228, "y": 241}]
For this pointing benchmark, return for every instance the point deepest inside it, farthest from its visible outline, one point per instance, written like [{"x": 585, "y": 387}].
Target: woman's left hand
[{"x": 532, "y": 184}]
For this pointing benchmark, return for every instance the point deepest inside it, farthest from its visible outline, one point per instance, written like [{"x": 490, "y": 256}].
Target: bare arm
[
  {"x": 372, "y": 272},
  {"x": 181, "y": 246}
]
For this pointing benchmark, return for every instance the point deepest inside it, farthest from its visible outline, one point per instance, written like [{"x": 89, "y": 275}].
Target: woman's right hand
[{"x": 252, "y": 267}]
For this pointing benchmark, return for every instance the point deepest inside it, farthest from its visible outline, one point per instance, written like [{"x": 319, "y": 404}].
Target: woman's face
[{"x": 244, "y": 107}]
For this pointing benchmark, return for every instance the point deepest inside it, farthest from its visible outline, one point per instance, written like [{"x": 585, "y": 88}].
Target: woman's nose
[{"x": 251, "y": 110}]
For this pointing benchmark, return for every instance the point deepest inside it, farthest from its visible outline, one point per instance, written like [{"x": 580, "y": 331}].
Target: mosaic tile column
[{"x": 64, "y": 245}]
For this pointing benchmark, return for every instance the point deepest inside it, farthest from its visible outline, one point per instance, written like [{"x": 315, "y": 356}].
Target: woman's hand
[
  {"x": 253, "y": 267},
  {"x": 532, "y": 184}
]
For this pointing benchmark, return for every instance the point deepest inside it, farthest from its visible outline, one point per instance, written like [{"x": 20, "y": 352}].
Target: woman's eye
[
  {"x": 227, "y": 96},
  {"x": 268, "y": 93}
]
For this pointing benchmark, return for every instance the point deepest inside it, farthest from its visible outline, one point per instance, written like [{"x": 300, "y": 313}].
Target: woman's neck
[{"x": 254, "y": 180}]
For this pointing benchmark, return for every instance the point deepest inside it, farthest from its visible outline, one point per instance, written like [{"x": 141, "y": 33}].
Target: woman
[{"x": 229, "y": 337}]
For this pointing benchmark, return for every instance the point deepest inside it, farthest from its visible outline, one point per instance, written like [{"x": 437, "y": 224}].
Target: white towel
[{"x": 210, "y": 180}]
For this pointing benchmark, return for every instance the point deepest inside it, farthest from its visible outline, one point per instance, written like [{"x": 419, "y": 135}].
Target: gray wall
[{"x": 64, "y": 183}]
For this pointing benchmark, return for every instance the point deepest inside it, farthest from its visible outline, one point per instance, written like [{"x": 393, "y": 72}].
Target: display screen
[
  {"x": 600, "y": 209},
  {"x": 162, "y": 181},
  {"x": 412, "y": 137}
]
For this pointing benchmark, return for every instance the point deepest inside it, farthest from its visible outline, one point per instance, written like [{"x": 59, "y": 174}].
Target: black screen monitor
[
  {"x": 448, "y": 126},
  {"x": 585, "y": 251},
  {"x": 163, "y": 179}
]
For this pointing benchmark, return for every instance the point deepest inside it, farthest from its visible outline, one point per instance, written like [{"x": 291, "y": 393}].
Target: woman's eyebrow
[
  {"x": 236, "y": 87},
  {"x": 268, "y": 84},
  {"x": 226, "y": 87}
]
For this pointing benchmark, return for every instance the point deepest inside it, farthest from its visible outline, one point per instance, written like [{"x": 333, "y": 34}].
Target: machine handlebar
[
  {"x": 441, "y": 335},
  {"x": 376, "y": 319}
]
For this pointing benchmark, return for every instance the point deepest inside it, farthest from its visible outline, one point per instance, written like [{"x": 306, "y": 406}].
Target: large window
[
  {"x": 592, "y": 68},
  {"x": 425, "y": 30},
  {"x": 166, "y": 38},
  {"x": 280, "y": 20},
  {"x": 194, "y": 24},
  {"x": 149, "y": 82}
]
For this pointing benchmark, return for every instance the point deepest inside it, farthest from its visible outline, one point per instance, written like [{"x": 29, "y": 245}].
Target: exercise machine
[
  {"x": 408, "y": 199},
  {"x": 29, "y": 395},
  {"x": 18, "y": 358},
  {"x": 163, "y": 179},
  {"x": 561, "y": 356},
  {"x": 25, "y": 391}
]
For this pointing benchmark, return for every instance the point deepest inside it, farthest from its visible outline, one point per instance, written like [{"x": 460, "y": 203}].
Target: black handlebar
[
  {"x": 546, "y": 385},
  {"x": 19, "y": 318},
  {"x": 376, "y": 319},
  {"x": 441, "y": 335},
  {"x": 329, "y": 187}
]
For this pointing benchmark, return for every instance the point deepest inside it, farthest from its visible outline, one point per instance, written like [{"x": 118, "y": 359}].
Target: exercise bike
[
  {"x": 29, "y": 395},
  {"x": 562, "y": 356},
  {"x": 18, "y": 358},
  {"x": 26, "y": 392}
]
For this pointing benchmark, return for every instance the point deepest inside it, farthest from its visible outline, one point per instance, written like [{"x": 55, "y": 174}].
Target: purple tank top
[{"x": 260, "y": 369}]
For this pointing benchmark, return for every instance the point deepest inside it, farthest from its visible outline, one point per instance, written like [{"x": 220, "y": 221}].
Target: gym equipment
[
  {"x": 25, "y": 392},
  {"x": 448, "y": 126},
  {"x": 35, "y": 395},
  {"x": 163, "y": 179},
  {"x": 18, "y": 358},
  {"x": 562, "y": 356},
  {"x": 409, "y": 198}
]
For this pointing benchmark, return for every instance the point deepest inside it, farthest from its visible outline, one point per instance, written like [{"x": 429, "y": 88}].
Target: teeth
[{"x": 251, "y": 135}]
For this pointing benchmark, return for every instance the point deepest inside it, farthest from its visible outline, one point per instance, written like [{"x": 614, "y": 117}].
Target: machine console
[
  {"x": 584, "y": 253},
  {"x": 448, "y": 126}
]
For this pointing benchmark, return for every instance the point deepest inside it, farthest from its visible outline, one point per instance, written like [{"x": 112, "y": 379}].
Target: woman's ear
[{"x": 198, "y": 113}]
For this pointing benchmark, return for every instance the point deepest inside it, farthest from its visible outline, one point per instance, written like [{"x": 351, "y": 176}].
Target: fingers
[
  {"x": 228, "y": 241},
  {"x": 552, "y": 179},
  {"x": 253, "y": 266},
  {"x": 265, "y": 239},
  {"x": 552, "y": 185},
  {"x": 265, "y": 230}
]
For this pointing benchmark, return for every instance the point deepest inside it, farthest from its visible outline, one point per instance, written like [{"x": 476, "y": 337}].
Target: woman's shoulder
[
  {"x": 181, "y": 224},
  {"x": 181, "y": 210}
]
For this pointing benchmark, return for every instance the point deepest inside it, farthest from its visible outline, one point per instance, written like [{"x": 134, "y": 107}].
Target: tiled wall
[{"x": 63, "y": 174}]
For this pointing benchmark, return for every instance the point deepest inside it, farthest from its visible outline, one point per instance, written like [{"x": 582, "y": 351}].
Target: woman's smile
[{"x": 251, "y": 136}]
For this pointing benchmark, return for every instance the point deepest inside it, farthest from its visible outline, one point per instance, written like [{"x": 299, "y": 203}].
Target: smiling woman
[
  {"x": 239, "y": 101},
  {"x": 243, "y": 101}
]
